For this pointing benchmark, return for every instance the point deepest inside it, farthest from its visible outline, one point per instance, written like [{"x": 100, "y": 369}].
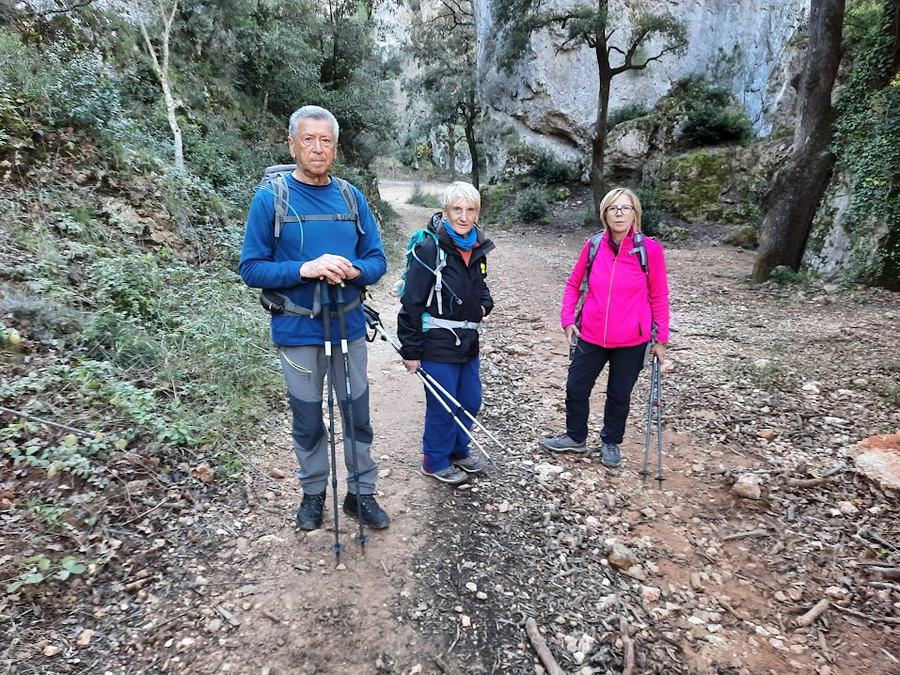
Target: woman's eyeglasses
[{"x": 626, "y": 209}]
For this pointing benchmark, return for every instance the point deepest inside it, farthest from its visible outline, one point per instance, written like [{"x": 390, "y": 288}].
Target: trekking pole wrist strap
[{"x": 278, "y": 303}]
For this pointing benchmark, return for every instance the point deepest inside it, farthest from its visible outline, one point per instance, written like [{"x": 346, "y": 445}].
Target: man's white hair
[
  {"x": 461, "y": 190},
  {"x": 312, "y": 112}
]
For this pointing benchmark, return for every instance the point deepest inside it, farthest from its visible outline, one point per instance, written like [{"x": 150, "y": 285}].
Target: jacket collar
[
  {"x": 627, "y": 243},
  {"x": 436, "y": 225}
]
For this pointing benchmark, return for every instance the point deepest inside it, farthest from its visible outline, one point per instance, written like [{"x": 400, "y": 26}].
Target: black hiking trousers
[{"x": 625, "y": 364}]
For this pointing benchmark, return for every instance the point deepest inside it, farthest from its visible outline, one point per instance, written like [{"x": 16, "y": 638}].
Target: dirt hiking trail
[{"x": 769, "y": 385}]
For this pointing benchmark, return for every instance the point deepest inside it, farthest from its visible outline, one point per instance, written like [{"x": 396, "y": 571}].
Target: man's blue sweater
[{"x": 267, "y": 266}]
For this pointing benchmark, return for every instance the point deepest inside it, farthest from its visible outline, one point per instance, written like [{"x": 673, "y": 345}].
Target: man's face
[{"x": 314, "y": 147}]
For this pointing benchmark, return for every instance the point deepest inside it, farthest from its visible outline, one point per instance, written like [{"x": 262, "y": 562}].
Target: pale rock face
[
  {"x": 845, "y": 247},
  {"x": 627, "y": 147},
  {"x": 743, "y": 45}
]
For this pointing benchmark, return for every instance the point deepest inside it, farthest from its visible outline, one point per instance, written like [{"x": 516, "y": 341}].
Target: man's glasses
[{"x": 626, "y": 209}]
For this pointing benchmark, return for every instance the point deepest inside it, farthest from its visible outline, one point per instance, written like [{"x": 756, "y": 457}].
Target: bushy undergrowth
[
  {"x": 713, "y": 116},
  {"x": 422, "y": 198},
  {"x": 531, "y": 204}
]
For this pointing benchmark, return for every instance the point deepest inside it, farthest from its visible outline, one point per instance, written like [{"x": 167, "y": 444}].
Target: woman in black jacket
[{"x": 444, "y": 299}]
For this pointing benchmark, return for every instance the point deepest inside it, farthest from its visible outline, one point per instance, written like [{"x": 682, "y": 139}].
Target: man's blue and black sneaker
[{"x": 309, "y": 515}]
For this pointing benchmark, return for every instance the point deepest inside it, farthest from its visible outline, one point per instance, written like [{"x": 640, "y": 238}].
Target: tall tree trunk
[
  {"x": 797, "y": 188},
  {"x": 598, "y": 144},
  {"x": 173, "y": 123},
  {"x": 451, "y": 150},
  {"x": 471, "y": 115},
  {"x": 161, "y": 68}
]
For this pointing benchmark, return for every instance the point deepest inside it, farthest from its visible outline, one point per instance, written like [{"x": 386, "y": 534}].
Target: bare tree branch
[
  {"x": 75, "y": 5},
  {"x": 631, "y": 66}
]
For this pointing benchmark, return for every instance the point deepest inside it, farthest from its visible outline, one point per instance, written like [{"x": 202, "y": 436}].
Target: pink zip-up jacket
[{"x": 621, "y": 301}]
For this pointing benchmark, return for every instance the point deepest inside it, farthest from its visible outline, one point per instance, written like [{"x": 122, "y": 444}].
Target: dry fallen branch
[
  {"x": 806, "y": 482},
  {"x": 41, "y": 420},
  {"x": 540, "y": 646},
  {"x": 813, "y": 614},
  {"x": 627, "y": 648},
  {"x": 748, "y": 534},
  {"x": 869, "y": 617},
  {"x": 886, "y": 572}
]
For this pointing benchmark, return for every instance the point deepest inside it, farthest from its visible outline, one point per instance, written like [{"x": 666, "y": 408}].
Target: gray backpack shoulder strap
[
  {"x": 596, "y": 238},
  {"x": 280, "y": 190},
  {"x": 349, "y": 197}
]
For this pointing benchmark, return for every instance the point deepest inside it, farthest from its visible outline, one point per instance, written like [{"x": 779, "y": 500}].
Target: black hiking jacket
[{"x": 461, "y": 282}]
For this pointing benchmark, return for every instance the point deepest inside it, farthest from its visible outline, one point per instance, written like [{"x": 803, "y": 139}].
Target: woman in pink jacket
[{"x": 625, "y": 309}]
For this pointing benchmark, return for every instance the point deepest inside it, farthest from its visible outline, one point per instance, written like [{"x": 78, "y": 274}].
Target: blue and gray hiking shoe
[
  {"x": 449, "y": 475},
  {"x": 563, "y": 443},
  {"x": 471, "y": 464},
  {"x": 610, "y": 455}
]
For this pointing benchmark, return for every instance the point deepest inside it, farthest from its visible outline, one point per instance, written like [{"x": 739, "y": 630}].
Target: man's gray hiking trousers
[{"x": 304, "y": 370}]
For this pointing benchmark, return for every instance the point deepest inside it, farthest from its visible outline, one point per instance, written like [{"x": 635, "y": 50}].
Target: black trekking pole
[
  {"x": 338, "y": 293},
  {"x": 431, "y": 384},
  {"x": 329, "y": 374}
]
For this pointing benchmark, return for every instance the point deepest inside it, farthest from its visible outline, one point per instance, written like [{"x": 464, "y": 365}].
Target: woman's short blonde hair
[
  {"x": 614, "y": 194},
  {"x": 461, "y": 190}
]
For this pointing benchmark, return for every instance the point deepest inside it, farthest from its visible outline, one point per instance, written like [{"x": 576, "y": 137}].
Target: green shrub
[
  {"x": 712, "y": 115},
  {"x": 549, "y": 169},
  {"x": 785, "y": 275},
  {"x": 424, "y": 199},
  {"x": 651, "y": 211},
  {"x": 745, "y": 236},
  {"x": 625, "y": 114},
  {"x": 531, "y": 204},
  {"x": 709, "y": 124}
]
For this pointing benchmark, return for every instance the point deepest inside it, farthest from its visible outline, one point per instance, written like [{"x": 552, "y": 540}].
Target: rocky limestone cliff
[{"x": 551, "y": 98}]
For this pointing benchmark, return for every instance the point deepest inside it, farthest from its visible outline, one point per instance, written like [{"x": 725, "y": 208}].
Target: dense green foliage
[
  {"x": 442, "y": 44},
  {"x": 122, "y": 310},
  {"x": 867, "y": 131},
  {"x": 713, "y": 116},
  {"x": 531, "y": 204}
]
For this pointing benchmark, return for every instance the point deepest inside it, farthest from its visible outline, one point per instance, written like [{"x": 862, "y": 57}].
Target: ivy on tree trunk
[{"x": 797, "y": 188}]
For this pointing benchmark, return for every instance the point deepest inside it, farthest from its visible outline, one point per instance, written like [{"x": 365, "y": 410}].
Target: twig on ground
[
  {"x": 627, "y": 647},
  {"x": 440, "y": 663},
  {"x": 174, "y": 617},
  {"x": 540, "y": 646},
  {"x": 869, "y": 617},
  {"x": 455, "y": 640},
  {"x": 141, "y": 515},
  {"x": 885, "y": 584},
  {"x": 887, "y": 572},
  {"x": 34, "y": 418},
  {"x": 813, "y": 614},
  {"x": 748, "y": 534}
]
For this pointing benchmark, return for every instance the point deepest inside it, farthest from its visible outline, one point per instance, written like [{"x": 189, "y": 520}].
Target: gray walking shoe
[
  {"x": 449, "y": 475},
  {"x": 610, "y": 455},
  {"x": 563, "y": 443},
  {"x": 471, "y": 464}
]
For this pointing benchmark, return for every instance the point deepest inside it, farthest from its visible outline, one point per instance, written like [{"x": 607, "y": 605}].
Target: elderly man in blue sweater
[{"x": 320, "y": 253}]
